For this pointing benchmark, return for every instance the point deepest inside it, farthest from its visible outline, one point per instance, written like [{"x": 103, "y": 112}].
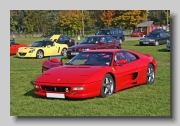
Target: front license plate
[
  {"x": 145, "y": 42},
  {"x": 21, "y": 56},
  {"x": 74, "y": 53},
  {"x": 55, "y": 95}
]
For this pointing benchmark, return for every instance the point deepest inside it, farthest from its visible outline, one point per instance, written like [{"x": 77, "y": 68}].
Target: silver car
[{"x": 168, "y": 45}]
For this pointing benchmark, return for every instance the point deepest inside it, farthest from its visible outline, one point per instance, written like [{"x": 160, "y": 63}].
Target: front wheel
[
  {"x": 107, "y": 87},
  {"x": 150, "y": 75},
  {"x": 39, "y": 54}
]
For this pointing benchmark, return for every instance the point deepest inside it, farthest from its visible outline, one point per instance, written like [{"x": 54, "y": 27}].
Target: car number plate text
[
  {"x": 74, "y": 53},
  {"x": 145, "y": 42},
  {"x": 55, "y": 95}
]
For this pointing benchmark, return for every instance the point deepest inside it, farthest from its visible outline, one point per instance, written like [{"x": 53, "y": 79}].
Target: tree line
[{"x": 75, "y": 22}]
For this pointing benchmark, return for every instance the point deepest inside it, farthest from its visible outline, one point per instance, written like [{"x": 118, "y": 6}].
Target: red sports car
[
  {"x": 136, "y": 34},
  {"x": 94, "y": 73},
  {"x": 14, "y": 46}
]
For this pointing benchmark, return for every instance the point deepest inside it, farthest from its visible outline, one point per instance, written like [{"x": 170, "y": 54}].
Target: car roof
[
  {"x": 106, "y": 50},
  {"x": 96, "y": 36}
]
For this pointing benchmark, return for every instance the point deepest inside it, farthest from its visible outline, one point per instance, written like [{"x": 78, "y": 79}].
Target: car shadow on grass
[
  {"x": 162, "y": 50},
  {"x": 32, "y": 94},
  {"x": 141, "y": 45}
]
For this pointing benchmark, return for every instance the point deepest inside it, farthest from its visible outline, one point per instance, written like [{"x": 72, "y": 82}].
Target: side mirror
[
  {"x": 120, "y": 62},
  {"x": 54, "y": 60}
]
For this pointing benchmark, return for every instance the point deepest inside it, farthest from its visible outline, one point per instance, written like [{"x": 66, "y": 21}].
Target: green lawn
[{"x": 144, "y": 100}]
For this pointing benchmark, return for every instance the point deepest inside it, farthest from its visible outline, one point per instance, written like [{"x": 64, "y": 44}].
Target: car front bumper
[
  {"x": 25, "y": 54},
  {"x": 66, "y": 90}
]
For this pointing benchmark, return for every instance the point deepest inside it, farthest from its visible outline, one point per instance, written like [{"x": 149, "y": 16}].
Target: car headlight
[
  {"x": 31, "y": 51},
  {"x": 152, "y": 40},
  {"x": 85, "y": 49},
  {"x": 36, "y": 86},
  {"x": 78, "y": 88}
]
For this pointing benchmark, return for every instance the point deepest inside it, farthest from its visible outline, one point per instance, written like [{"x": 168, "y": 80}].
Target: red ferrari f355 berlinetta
[{"x": 94, "y": 73}]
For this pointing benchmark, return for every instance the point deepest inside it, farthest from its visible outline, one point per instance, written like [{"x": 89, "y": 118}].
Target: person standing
[{"x": 13, "y": 36}]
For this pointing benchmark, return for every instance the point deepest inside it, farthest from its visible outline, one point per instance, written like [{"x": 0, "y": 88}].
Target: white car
[{"x": 168, "y": 45}]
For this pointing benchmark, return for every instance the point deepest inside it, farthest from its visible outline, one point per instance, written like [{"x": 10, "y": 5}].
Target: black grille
[
  {"x": 56, "y": 88},
  {"x": 22, "y": 54}
]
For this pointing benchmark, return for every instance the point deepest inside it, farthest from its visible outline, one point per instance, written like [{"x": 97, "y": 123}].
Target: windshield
[
  {"x": 92, "y": 59},
  {"x": 39, "y": 44},
  {"x": 153, "y": 34},
  {"x": 90, "y": 40},
  {"x": 103, "y": 32}
]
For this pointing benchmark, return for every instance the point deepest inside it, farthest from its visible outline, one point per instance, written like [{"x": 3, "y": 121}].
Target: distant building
[{"x": 148, "y": 26}]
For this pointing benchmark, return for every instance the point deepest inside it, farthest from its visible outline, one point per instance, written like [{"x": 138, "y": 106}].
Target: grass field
[{"x": 144, "y": 100}]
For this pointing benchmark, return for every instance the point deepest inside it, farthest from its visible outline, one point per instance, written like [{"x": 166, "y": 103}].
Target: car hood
[
  {"x": 27, "y": 49},
  {"x": 83, "y": 46},
  {"x": 68, "y": 74}
]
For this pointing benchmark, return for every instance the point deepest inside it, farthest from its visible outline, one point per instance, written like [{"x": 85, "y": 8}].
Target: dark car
[
  {"x": 117, "y": 33},
  {"x": 93, "y": 43},
  {"x": 159, "y": 29},
  {"x": 64, "y": 39},
  {"x": 155, "y": 38}
]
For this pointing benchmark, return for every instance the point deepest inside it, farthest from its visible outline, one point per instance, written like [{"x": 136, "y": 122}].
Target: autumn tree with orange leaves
[
  {"x": 106, "y": 17},
  {"x": 129, "y": 18}
]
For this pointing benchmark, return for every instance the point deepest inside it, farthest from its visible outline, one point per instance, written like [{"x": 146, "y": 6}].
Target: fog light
[
  {"x": 78, "y": 88},
  {"x": 36, "y": 86}
]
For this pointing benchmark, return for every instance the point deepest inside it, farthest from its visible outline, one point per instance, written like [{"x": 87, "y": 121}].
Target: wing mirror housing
[
  {"x": 54, "y": 60},
  {"x": 120, "y": 62}
]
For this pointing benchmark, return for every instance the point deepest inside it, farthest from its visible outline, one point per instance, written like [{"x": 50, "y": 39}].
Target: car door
[
  {"x": 166, "y": 37},
  {"x": 111, "y": 42},
  {"x": 103, "y": 45},
  {"x": 51, "y": 49},
  {"x": 161, "y": 38},
  {"x": 125, "y": 74}
]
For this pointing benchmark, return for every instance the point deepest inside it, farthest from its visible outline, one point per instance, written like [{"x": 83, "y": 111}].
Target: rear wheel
[
  {"x": 64, "y": 52},
  {"x": 39, "y": 54},
  {"x": 107, "y": 87},
  {"x": 150, "y": 75}
]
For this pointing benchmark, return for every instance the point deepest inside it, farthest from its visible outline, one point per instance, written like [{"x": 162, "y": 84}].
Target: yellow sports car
[{"x": 40, "y": 49}]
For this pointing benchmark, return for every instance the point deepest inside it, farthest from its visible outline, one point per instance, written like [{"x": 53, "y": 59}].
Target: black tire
[
  {"x": 64, "y": 52},
  {"x": 107, "y": 87},
  {"x": 39, "y": 54},
  {"x": 150, "y": 75}
]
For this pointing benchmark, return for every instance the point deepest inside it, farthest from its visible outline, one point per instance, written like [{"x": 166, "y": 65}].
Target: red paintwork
[
  {"x": 136, "y": 34},
  {"x": 90, "y": 77},
  {"x": 14, "y": 47}
]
